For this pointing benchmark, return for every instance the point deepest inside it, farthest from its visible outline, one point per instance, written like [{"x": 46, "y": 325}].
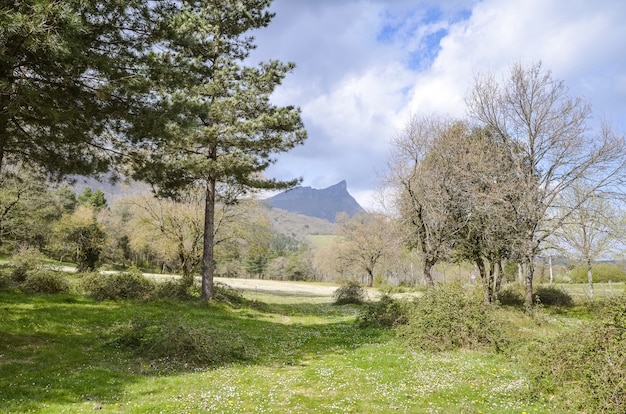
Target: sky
[{"x": 365, "y": 67}]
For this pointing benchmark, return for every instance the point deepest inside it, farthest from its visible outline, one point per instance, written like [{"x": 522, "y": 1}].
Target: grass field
[
  {"x": 62, "y": 354},
  {"x": 322, "y": 240}
]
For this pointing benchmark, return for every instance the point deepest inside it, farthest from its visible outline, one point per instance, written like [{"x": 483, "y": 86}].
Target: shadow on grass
[{"x": 63, "y": 349}]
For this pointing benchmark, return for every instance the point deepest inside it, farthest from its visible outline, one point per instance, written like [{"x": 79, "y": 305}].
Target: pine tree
[
  {"x": 67, "y": 72},
  {"x": 212, "y": 121}
]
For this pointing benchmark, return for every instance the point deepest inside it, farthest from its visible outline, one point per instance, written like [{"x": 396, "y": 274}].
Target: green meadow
[{"x": 254, "y": 352}]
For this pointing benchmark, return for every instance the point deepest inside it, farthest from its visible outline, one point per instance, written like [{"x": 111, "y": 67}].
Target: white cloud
[{"x": 365, "y": 66}]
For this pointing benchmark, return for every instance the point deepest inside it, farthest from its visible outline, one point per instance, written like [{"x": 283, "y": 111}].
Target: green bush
[
  {"x": 227, "y": 294},
  {"x": 585, "y": 369},
  {"x": 601, "y": 273},
  {"x": 7, "y": 281},
  {"x": 24, "y": 261},
  {"x": 45, "y": 281},
  {"x": 174, "y": 289},
  {"x": 553, "y": 296},
  {"x": 451, "y": 317},
  {"x": 177, "y": 341},
  {"x": 350, "y": 293},
  {"x": 512, "y": 295},
  {"x": 114, "y": 286},
  {"x": 386, "y": 312}
]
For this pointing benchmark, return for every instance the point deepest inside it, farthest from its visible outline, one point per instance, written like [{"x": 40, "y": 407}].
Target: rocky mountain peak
[{"x": 323, "y": 203}]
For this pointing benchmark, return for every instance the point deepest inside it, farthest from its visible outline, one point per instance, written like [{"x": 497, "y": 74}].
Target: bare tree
[
  {"x": 171, "y": 229},
  {"x": 591, "y": 229},
  {"x": 535, "y": 112},
  {"x": 365, "y": 240}
]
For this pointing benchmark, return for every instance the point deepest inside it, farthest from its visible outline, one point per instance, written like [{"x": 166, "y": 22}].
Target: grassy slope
[{"x": 55, "y": 356}]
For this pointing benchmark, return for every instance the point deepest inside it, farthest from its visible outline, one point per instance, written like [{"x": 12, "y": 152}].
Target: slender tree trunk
[
  {"x": 498, "y": 276},
  {"x": 208, "y": 262},
  {"x": 528, "y": 291},
  {"x": 485, "y": 279},
  {"x": 590, "y": 278}
]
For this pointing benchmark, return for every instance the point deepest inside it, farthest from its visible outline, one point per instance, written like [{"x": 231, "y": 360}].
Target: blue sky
[{"x": 364, "y": 67}]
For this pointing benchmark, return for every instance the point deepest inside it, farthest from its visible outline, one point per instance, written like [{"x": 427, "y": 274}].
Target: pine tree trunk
[{"x": 208, "y": 262}]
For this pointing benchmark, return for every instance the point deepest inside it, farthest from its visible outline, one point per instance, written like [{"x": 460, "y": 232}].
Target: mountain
[{"x": 325, "y": 203}]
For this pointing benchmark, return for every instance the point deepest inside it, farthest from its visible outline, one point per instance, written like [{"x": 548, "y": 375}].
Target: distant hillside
[
  {"x": 298, "y": 226},
  {"x": 325, "y": 203},
  {"x": 112, "y": 191}
]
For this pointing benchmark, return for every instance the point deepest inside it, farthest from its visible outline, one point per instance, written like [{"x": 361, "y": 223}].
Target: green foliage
[
  {"x": 46, "y": 281},
  {"x": 350, "y": 293},
  {"x": 7, "y": 281},
  {"x": 585, "y": 368},
  {"x": 174, "y": 340},
  {"x": 27, "y": 208},
  {"x": 387, "y": 312},
  {"x": 174, "y": 289},
  {"x": 52, "y": 114},
  {"x": 114, "y": 286},
  {"x": 94, "y": 199},
  {"x": 26, "y": 261},
  {"x": 66, "y": 198},
  {"x": 79, "y": 234},
  {"x": 450, "y": 317},
  {"x": 553, "y": 296},
  {"x": 601, "y": 273},
  {"x": 226, "y": 294},
  {"x": 512, "y": 295}
]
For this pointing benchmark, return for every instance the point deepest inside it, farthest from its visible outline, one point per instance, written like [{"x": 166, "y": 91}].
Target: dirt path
[
  {"x": 276, "y": 286},
  {"x": 261, "y": 285}
]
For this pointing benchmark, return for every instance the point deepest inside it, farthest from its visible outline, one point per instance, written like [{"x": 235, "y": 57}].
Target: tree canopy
[{"x": 65, "y": 73}]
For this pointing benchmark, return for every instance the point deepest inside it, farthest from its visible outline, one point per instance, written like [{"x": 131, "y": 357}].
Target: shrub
[
  {"x": 26, "y": 260},
  {"x": 174, "y": 289},
  {"x": 227, "y": 294},
  {"x": 350, "y": 293},
  {"x": 553, "y": 296},
  {"x": 386, "y": 312},
  {"x": 450, "y": 317},
  {"x": 46, "y": 281},
  {"x": 585, "y": 368},
  {"x": 6, "y": 278},
  {"x": 177, "y": 341},
  {"x": 601, "y": 273},
  {"x": 512, "y": 295},
  {"x": 124, "y": 285}
]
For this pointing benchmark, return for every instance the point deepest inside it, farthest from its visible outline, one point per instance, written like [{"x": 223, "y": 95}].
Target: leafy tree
[
  {"x": 422, "y": 199},
  {"x": 552, "y": 149},
  {"x": 483, "y": 188},
  {"x": 27, "y": 208},
  {"x": 216, "y": 124},
  {"x": 81, "y": 236},
  {"x": 90, "y": 198},
  {"x": 66, "y": 198}
]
